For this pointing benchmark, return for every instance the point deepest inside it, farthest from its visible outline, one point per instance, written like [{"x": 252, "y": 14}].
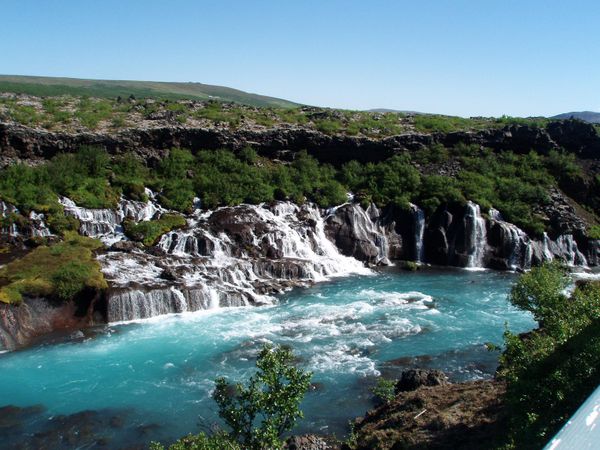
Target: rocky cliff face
[{"x": 19, "y": 143}]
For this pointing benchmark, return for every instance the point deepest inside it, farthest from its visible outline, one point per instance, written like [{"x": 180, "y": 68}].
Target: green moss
[
  {"x": 594, "y": 232},
  {"x": 149, "y": 232},
  {"x": 60, "y": 270},
  {"x": 410, "y": 266}
]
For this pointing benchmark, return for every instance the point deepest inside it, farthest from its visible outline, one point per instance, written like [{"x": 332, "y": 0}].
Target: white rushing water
[
  {"x": 106, "y": 224},
  {"x": 521, "y": 250},
  {"x": 283, "y": 245},
  {"x": 36, "y": 224},
  {"x": 419, "y": 220},
  {"x": 476, "y": 236}
]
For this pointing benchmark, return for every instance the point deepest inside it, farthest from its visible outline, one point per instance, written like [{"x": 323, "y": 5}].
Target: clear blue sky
[{"x": 478, "y": 57}]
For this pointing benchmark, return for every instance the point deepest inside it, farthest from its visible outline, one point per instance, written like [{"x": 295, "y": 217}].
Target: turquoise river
[{"x": 123, "y": 385}]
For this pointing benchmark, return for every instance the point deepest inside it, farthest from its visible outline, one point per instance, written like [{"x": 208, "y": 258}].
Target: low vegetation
[
  {"x": 384, "y": 390},
  {"x": 148, "y": 232},
  {"x": 515, "y": 184},
  {"x": 553, "y": 369},
  {"x": 259, "y": 412},
  {"x": 61, "y": 271},
  {"x": 100, "y": 107}
]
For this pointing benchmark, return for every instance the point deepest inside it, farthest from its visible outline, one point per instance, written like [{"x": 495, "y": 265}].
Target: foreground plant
[
  {"x": 553, "y": 369},
  {"x": 259, "y": 412},
  {"x": 269, "y": 405}
]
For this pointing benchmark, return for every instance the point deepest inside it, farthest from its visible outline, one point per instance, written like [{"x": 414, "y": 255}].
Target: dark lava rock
[
  {"x": 168, "y": 274},
  {"x": 415, "y": 378},
  {"x": 124, "y": 246},
  {"x": 306, "y": 442}
]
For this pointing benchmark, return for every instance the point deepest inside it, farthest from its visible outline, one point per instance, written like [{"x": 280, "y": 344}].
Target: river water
[{"x": 126, "y": 384}]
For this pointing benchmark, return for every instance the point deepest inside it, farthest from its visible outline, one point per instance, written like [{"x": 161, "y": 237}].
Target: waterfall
[
  {"x": 517, "y": 248},
  {"x": 97, "y": 223},
  {"x": 419, "y": 227},
  {"x": 6, "y": 210},
  {"x": 106, "y": 224},
  {"x": 565, "y": 248},
  {"x": 372, "y": 226},
  {"x": 234, "y": 256},
  {"x": 38, "y": 225},
  {"x": 136, "y": 304},
  {"x": 476, "y": 235}
]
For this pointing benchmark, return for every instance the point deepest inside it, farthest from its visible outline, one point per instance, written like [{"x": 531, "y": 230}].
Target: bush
[
  {"x": 218, "y": 441},
  {"x": 328, "y": 126},
  {"x": 384, "y": 390},
  {"x": 594, "y": 232},
  {"x": 268, "y": 406},
  {"x": 149, "y": 232},
  {"x": 551, "y": 370},
  {"x": 70, "y": 279}
]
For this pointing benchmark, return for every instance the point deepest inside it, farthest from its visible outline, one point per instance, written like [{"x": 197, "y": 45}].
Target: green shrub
[
  {"x": 149, "y": 232},
  {"x": 70, "y": 279},
  {"x": 551, "y": 370},
  {"x": 385, "y": 390},
  {"x": 269, "y": 405},
  {"x": 218, "y": 441},
  {"x": 427, "y": 123},
  {"x": 328, "y": 126}
]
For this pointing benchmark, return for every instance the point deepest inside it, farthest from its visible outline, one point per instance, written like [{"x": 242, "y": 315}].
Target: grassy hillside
[{"x": 51, "y": 86}]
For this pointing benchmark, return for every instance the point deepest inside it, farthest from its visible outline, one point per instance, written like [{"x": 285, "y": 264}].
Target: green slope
[{"x": 52, "y": 86}]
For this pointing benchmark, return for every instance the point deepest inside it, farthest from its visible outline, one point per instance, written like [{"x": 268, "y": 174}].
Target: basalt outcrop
[{"x": 20, "y": 143}]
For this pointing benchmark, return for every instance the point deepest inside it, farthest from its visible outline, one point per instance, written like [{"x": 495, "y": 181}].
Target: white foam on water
[{"x": 342, "y": 359}]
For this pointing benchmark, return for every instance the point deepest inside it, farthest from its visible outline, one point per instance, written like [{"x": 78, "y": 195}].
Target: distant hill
[
  {"x": 387, "y": 110},
  {"x": 587, "y": 116},
  {"x": 52, "y": 86}
]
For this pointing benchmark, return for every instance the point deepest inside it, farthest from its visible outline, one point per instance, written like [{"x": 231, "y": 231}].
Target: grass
[
  {"x": 150, "y": 231},
  {"x": 61, "y": 271}
]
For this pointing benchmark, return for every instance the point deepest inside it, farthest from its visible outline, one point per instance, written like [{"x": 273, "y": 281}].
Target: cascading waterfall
[
  {"x": 419, "y": 227},
  {"x": 565, "y": 248},
  {"x": 35, "y": 226},
  {"x": 476, "y": 235},
  {"x": 521, "y": 250},
  {"x": 283, "y": 245},
  {"x": 517, "y": 246},
  {"x": 5, "y": 211},
  {"x": 38, "y": 225},
  {"x": 372, "y": 226},
  {"x": 106, "y": 224}
]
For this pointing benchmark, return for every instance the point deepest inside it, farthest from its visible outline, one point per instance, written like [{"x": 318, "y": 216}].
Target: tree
[
  {"x": 551, "y": 370},
  {"x": 269, "y": 405}
]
